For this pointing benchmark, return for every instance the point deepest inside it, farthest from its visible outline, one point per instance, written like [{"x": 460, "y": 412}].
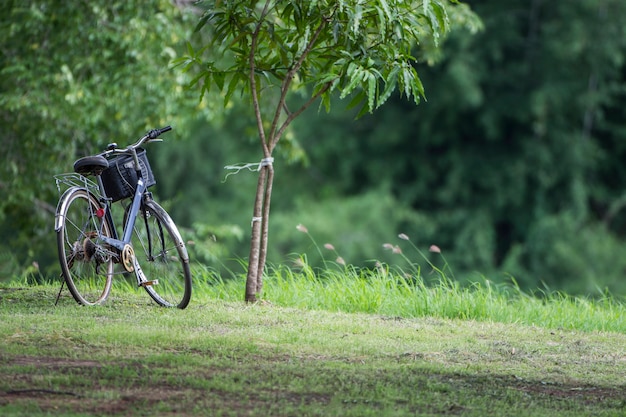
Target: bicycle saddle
[{"x": 91, "y": 165}]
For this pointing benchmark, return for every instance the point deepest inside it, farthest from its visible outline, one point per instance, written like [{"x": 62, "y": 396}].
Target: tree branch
[
  {"x": 253, "y": 92},
  {"x": 274, "y": 134},
  {"x": 305, "y": 106}
]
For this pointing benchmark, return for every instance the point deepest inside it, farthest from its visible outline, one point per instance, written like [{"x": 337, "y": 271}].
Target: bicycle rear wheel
[
  {"x": 162, "y": 256},
  {"x": 86, "y": 263}
]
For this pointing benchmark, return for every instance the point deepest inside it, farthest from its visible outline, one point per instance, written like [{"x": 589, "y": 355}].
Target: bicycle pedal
[{"x": 149, "y": 283}]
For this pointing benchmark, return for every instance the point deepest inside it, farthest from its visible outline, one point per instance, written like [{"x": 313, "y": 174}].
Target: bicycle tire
[
  {"x": 86, "y": 263},
  {"x": 162, "y": 256}
]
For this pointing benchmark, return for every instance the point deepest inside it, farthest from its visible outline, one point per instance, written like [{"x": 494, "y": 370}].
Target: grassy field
[{"x": 346, "y": 344}]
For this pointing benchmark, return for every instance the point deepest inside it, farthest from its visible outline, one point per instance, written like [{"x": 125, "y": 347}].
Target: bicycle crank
[
  {"x": 130, "y": 263},
  {"x": 128, "y": 258}
]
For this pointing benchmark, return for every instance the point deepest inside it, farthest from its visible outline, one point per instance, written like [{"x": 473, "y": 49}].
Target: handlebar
[
  {"x": 154, "y": 133},
  {"x": 150, "y": 135}
]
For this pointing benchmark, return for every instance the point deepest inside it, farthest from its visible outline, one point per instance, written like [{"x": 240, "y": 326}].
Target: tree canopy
[{"x": 318, "y": 47}]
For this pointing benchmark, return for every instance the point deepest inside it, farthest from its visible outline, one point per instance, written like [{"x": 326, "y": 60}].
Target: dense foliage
[
  {"x": 512, "y": 165},
  {"x": 75, "y": 76}
]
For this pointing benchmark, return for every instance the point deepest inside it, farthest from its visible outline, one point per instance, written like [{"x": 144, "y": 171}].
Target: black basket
[{"x": 120, "y": 178}]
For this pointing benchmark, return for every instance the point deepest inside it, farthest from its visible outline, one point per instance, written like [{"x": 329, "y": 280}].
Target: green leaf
[
  {"x": 232, "y": 86},
  {"x": 184, "y": 62},
  {"x": 371, "y": 91},
  {"x": 190, "y": 50},
  {"x": 288, "y": 11},
  {"x": 441, "y": 15},
  {"x": 390, "y": 85},
  {"x": 219, "y": 77},
  {"x": 418, "y": 83},
  {"x": 202, "y": 22},
  {"x": 382, "y": 22},
  {"x": 356, "y": 76},
  {"x": 325, "y": 101},
  {"x": 327, "y": 78},
  {"x": 356, "y": 100},
  {"x": 417, "y": 87},
  {"x": 206, "y": 86},
  {"x": 385, "y": 6},
  {"x": 197, "y": 78},
  {"x": 398, "y": 29},
  {"x": 312, "y": 4},
  {"x": 407, "y": 79},
  {"x": 206, "y": 17}
]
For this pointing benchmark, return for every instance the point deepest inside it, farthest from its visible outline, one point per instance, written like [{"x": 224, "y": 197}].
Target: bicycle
[{"x": 88, "y": 243}]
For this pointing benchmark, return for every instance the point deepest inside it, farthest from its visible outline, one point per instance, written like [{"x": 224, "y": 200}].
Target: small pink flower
[
  {"x": 302, "y": 228},
  {"x": 340, "y": 261},
  {"x": 434, "y": 249},
  {"x": 403, "y": 236},
  {"x": 396, "y": 249},
  {"x": 329, "y": 246},
  {"x": 388, "y": 246}
]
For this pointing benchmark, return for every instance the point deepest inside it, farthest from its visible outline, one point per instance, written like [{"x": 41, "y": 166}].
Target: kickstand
[{"x": 60, "y": 289}]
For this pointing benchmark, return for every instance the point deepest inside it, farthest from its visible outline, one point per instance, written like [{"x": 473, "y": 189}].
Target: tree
[{"x": 270, "y": 48}]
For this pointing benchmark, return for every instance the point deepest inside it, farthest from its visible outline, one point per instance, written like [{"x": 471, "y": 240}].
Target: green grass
[
  {"x": 346, "y": 343},
  {"x": 392, "y": 293}
]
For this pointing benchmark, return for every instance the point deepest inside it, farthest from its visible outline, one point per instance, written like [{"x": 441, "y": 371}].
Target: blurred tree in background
[
  {"x": 75, "y": 76},
  {"x": 515, "y": 161}
]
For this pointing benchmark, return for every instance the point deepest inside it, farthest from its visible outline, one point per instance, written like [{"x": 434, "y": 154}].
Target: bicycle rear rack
[{"x": 71, "y": 179}]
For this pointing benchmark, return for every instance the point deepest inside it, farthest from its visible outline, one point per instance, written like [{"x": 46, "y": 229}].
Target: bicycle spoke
[
  {"x": 160, "y": 252},
  {"x": 86, "y": 265}
]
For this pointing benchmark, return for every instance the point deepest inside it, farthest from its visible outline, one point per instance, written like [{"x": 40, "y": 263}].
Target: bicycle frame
[
  {"x": 130, "y": 221},
  {"x": 123, "y": 245}
]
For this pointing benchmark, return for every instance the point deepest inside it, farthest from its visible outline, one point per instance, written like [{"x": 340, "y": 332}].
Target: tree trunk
[
  {"x": 259, "y": 237},
  {"x": 255, "y": 239},
  {"x": 265, "y": 223}
]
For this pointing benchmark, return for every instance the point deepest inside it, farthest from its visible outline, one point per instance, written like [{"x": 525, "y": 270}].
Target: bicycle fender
[{"x": 62, "y": 205}]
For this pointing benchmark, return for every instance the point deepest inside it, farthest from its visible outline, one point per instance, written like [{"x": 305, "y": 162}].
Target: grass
[
  {"x": 223, "y": 357},
  {"x": 384, "y": 292},
  {"x": 340, "y": 341}
]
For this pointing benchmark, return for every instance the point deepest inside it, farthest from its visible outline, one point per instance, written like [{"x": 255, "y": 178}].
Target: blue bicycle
[{"x": 90, "y": 249}]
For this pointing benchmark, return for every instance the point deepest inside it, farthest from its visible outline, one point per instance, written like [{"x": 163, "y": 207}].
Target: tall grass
[
  {"x": 403, "y": 293},
  {"x": 393, "y": 295}
]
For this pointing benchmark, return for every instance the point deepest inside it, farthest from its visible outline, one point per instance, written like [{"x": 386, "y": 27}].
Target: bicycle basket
[{"x": 120, "y": 178}]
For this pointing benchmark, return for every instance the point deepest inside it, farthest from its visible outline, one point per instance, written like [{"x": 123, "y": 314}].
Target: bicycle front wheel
[
  {"x": 86, "y": 262},
  {"x": 162, "y": 256}
]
